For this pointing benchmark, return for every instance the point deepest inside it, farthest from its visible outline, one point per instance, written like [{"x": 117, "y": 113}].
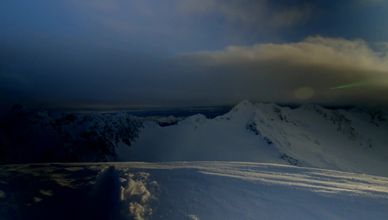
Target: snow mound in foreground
[{"x": 188, "y": 190}]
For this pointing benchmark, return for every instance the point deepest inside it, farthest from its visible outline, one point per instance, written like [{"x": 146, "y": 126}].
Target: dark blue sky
[{"x": 151, "y": 52}]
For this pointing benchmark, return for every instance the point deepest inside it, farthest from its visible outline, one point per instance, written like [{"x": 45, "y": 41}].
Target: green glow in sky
[{"x": 350, "y": 85}]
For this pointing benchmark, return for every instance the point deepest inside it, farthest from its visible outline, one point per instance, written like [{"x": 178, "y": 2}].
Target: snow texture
[
  {"x": 352, "y": 140},
  {"x": 189, "y": 190}
]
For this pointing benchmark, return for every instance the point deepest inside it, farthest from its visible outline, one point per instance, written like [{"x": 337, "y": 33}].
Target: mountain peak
[{"x": 244, "y": 104}]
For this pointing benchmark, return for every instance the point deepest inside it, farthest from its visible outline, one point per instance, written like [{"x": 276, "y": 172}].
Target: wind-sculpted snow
[
  {"x": 188, "y": 190},
  {"x": 137, "y": 192},
  {"x": 347, "y": 140}
]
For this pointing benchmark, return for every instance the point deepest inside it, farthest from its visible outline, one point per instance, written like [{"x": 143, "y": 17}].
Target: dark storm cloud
[
  {"x": 73, "y": 77},
  {"x": 317, "y": 69},
  {"x": 145, "y": 52}
]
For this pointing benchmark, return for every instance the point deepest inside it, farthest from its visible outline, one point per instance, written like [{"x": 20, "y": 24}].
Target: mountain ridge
[{"x": 352, "y": 139}]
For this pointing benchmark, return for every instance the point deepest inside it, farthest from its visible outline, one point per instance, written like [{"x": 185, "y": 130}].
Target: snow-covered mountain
[
  {"x": 351, "y": 139},
  {"x": 258, "y": 161}
]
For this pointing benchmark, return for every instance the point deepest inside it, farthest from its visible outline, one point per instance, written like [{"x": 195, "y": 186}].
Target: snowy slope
[
  {"x": 188, "y": 190},
  {"x": 343, "y": 139},
  {"x": 348, "y": 140}
]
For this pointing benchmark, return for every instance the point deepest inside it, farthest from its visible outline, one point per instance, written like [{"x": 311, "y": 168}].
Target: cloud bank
[
  {"x": 314, "y": 70},
  {"x": 317, "y": 69},
  {"x": 336, "y": 53}
]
